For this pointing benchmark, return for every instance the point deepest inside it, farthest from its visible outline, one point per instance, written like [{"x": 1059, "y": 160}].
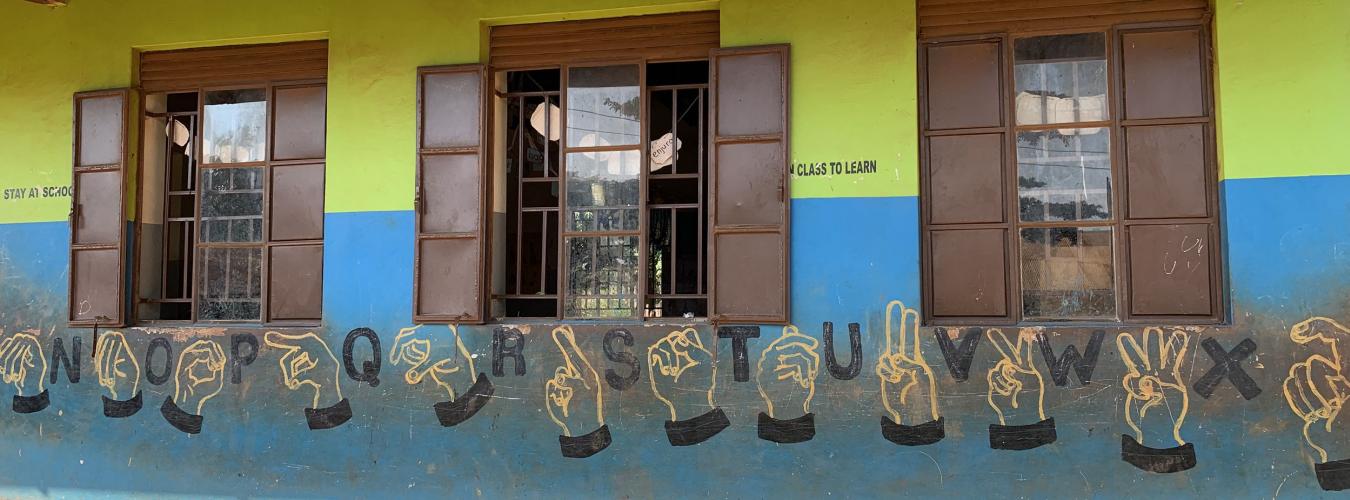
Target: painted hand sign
[
  {"x": 683, "y": 375},
  {"x": 306, "y": 361},
  {"x": 908, "y": 387},
  {"x": 1156, "y": 397},
  {"x": 441, "y": 363},
  {"x": 575, "y": 400}
]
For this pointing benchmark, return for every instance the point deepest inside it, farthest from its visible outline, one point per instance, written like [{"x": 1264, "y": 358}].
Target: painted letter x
[{"x": 1226, "y": 365}]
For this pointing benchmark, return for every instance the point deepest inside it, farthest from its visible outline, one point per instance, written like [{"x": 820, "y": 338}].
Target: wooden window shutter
[
  {"x": 750, "y": 200},
  {"x": 169, "y": 70},
  {"x": 964, "y": 164},
  {"x": 681, "y": 35},
  {"x": 1170, "y": 181},
  {"x": 942, "y": 18},
  {"x": 295, "y": 240},
  {"x": 98, "y": 228},
  {"x": 450, "y": 204}
]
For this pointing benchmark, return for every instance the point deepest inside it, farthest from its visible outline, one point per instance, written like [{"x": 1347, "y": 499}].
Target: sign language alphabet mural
[
  {"x": 1154, "y": 388},
  {"x": 1016, "y": 385},
  {"x": 683, "y": 375},
  {"x": 306, "y": 361},
  {"x": 437, "y": 362},
  {"x": 23, "y": 367},
  {"x": 793, "y": 362},
  {"x": 200, "y": 376},
  {"x": 1316, "y": 390},
  {"x": 908, "y": 386},
  {"x": 575, "y": 386},
  {"x": 120, "y": 373}
]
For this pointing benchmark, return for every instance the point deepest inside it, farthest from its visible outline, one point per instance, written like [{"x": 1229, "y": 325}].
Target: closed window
[{"x": 1069, "y": 177}]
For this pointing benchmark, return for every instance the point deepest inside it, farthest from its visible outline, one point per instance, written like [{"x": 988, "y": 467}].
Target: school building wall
[{"x": 1280, "y": 71}]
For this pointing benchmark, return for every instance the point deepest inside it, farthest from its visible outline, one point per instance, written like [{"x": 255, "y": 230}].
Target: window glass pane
[
  {"x": 230, "y": 284},
  {"x": 1067, "y": 273},
  {"x": 603, "y": 106},
  {"x": 602, "y": 277},
  {"x": 232, "y": 205},
  {"x": 1064, "y": 174},
  {"x": 1061, "y": 78},
  {"x": 602, "y": 191},
  {"x": 234, "y": 129}
]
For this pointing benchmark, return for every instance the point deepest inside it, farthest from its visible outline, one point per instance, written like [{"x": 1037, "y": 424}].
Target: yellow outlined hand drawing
[
  {"x": 200, "y": 375},
  {"x": 1316, "y": 388},
  {"x": 793, "y": 361},
  {"x": 907, "y": 382},
  {"x": 1015, "y": 381},
  {"x": 575, "y": 386},
  {"x": 1152, "y": 379},
  {"x": 428, "y": 360},
  {"x": 682, "y": 369},
  {"x": 306, "y": 361},
  {"x": 116, "y": 366},
  {"x": 23, "y": 364}
]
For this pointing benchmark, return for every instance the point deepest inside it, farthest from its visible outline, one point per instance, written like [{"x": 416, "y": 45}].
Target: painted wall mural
[{"x": 681, "y": 371}]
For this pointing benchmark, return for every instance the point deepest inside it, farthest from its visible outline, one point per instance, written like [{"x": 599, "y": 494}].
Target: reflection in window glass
[
  {"x": 603, "y": 106},
  {"x": 1061, "y": 79},
  {"x": 1064, "y": 175},
  {"x": 602, "y": 277},
  {"x": 232, "y": 205},
  {"x": 602, "y": 191},
  {"x": 234, "y": 129},
  {"x": 230, "y": 287},
  {"x": 1067, "y": 273}
]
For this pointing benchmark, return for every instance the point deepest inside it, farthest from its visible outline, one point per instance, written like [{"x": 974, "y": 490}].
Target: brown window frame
[
  {"x": 265, "y": 243},
  {"x": 1120, "y": 221},
  {"x": 645, "y": 91}
]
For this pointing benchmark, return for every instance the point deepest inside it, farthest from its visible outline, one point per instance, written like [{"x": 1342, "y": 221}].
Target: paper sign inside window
[{"x": 663, "y": 151}]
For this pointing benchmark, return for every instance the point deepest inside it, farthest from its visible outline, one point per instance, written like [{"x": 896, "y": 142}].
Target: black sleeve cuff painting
[
  {"x": 31, "y": 404},
  {"x": 452, "y": 413},
  {"x": 1160, "y": 460},
  {"x": 585, "y": 445},
  {"x": 1333, "y": 475},
  {"x": 330, "y": 417},
  {"x": 698, "y": 429},
  {"x": 179, "y": 419},
  {"x": 121, "y": 408},
  {"x": 796, "y": 430},
  {"x": 1022, "y": 437},
  {"x": 913, "y": 435}
]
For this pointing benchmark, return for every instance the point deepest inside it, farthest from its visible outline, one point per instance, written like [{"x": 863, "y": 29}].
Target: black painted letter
[
  {"x": 959, "y": 358},
  {"x": 370, "y": 370},
  {"x": 738, "y": 334},
  {"x": 156, "y": 344},
  {"x": 72, "y": 362},
  {"x": 1082, "y": 365},
  {"x": 624, "y": 357},
  {"x": 500, "y": 350},
  {"x": 237, "y": 362},
  {"x": 855, "y": 348}
]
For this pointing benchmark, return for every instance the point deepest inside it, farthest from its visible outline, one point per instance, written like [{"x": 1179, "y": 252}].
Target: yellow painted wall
[
  {"x": 853, "y": 83},
  {"x": 1283, "y": 73}
]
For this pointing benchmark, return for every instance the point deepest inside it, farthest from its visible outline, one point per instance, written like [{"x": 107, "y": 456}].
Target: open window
[
  {"x": 230, "y": 218},
  {"x": 603, "y": 168}
]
